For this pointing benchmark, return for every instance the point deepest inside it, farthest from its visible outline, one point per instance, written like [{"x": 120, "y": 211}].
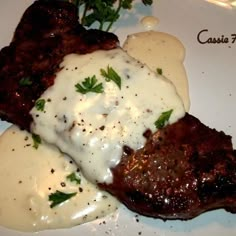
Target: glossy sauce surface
[
  {"x": 162, "y": 51},
  {"x": 149, "y": 22},
  {"x": 28, "y": 176},
  {"x": 93, "y": 127}
]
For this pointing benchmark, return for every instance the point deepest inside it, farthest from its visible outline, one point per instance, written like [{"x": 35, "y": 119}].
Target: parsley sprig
[
  {"x": 111, "y": 74},
  {"x": 40, "y": 104},
  {"x": 25, "y": 81},
  {"x": 163, "y": 119},
  {"x": 73, "y": 177},
  {"x": 58, "y": 197},
  {"x": 36, "y": 140},
  {"x": 105, "y": 12},
  {"x": 89, "y": 85}
]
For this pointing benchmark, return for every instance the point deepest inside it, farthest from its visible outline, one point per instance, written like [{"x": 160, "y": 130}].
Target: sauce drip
[
  {"x": 163, "y": 51},
  {"x": 149, "y": 22}
]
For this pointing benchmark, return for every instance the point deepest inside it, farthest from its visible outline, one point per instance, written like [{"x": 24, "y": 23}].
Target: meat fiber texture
[{"x": 182, "y": 171}]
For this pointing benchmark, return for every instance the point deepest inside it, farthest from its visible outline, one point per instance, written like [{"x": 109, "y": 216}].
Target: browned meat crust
[
  {"x": 183, "y": 170},
  {"x": 47, "y": 32}
]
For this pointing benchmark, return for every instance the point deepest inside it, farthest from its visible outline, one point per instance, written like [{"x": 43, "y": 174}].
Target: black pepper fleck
[{"x": 102, "y": 127}]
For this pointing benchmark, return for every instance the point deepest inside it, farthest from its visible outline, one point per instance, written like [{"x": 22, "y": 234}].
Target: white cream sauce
[
  {"x": 93, "y": 128},
  {"x": 28, "y": 176},
  {"x": 164, "y": 51},
  {"x": 149, "y": 22}
]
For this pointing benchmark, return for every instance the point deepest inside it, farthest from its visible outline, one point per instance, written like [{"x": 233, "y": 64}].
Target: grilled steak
[
  {"x": 183, "y": 170},
  {"x": 47, "y": 32}
]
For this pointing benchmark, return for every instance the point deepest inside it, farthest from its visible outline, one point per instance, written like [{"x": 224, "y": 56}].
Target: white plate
[{"x": 211, "y": 71}]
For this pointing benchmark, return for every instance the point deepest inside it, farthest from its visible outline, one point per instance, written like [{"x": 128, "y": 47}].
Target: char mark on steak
[
  {"x": 47, "y": 32},
  {"x": 183, "y": 170}
]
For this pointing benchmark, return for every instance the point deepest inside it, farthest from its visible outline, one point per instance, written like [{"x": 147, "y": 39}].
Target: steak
[
  {"x": 47, "y": 32},
  {"x": 183, "y": 170}
]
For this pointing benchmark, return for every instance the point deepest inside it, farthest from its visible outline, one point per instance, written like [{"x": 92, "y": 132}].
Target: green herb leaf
[
  {"x": 147, "y": 2},
  {"x": 73, "y": 178},
  {"x": 103, "y": 12},
  {"x": 126, "y": 4},
  {"x": 40, "y": 104},
  {"x": 163, "y": 119},
  {"x": 36, "y": 140},
  {"x": 159, "y": 71},
  {"x": 111, "y": 74},
  {"x": 58, "y": 197},
  {"x": 25, "y": 81},
  {"x": 89, "y": 85}
]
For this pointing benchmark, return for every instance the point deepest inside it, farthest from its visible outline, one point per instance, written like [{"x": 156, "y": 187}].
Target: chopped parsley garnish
[
  {"x": 111, "y": 74},
  {"x": 89, "y": 85},
  {"x": 36, "y": 140},
  {"x": 74, "y": 178},
  {"x": 159, "y": 71},
  {"x": 105, "y": 13},
  {"x": 147, "y": 2},
  {"x": 163, "y": 119},
  {"x": 25, "y": 81},
  {"x": 40, "y": 104},
  {"x": 58, "y": 197}
]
